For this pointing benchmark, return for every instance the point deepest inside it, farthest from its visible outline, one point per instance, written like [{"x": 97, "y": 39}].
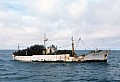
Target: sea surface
[{"x": 16, "y": 71}]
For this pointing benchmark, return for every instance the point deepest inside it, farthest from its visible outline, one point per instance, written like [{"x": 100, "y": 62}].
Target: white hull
[
  {"x": 98, "y": 56},
  {"x": 45, "y": 58}
]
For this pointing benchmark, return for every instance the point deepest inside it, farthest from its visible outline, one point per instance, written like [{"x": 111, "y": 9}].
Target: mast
[
  {"x": 18, "y": 46},
  {"x": 44, "y": 40},
  {"x": 73, "y": 51}
]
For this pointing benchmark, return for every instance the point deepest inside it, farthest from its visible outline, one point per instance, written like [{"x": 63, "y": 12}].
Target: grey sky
[{"x": 25, "y": 21}]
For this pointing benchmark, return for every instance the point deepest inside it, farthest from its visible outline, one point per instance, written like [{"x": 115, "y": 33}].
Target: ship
[{"x": 41, "y": 53}]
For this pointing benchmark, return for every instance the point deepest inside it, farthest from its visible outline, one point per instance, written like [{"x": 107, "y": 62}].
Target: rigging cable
[
  {"x": 77, "y": 43},
  {"x": 85, "y": 46},
  {"x": 65, "y": 46}
]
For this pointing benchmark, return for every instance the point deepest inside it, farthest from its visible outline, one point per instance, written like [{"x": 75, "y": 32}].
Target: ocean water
[{"x": 16, "y": 71}]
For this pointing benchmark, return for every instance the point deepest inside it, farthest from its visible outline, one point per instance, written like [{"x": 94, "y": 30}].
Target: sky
[{"x": 96, "y": 22}]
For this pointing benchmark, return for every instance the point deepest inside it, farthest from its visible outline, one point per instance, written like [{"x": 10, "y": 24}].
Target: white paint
[
  {"x": 95, "y": 56},
  {"x": 63, "y": 57}
]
